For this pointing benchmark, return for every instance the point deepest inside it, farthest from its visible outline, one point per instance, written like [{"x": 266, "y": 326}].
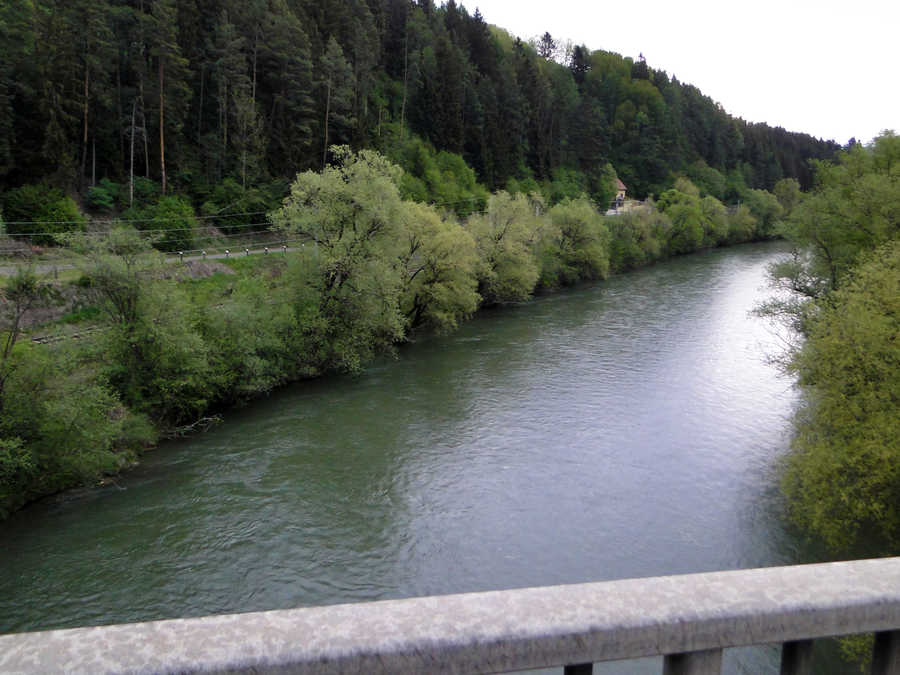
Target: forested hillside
[{"x": 191, "y": 95}]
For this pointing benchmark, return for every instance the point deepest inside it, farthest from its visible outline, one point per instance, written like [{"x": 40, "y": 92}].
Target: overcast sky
[{"x": 826, "y": 68}]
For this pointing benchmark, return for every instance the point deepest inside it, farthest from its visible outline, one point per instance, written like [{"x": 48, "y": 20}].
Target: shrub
[
  {"x": 103, "y": 197},
  {"x": 41, "y": 211},
  {"x": 171, "y": 220}
]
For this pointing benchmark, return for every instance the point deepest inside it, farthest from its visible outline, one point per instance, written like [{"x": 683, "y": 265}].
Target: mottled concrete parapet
[{"x": 491, "y": 632}]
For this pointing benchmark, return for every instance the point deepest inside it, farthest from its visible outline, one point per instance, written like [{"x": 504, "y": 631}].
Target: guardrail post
[
  {"x": 796, "y": 658},
  {"x": 579, "y": 669},
  {"x": 886, "y": 653},
  {"x": 707, "y": 662}
]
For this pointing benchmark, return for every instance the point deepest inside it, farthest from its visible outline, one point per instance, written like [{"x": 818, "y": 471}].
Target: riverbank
[{"x": 381, "y": 270}]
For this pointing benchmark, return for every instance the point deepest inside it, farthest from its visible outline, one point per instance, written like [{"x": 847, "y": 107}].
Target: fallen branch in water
[{"x": 202, "y": 424}]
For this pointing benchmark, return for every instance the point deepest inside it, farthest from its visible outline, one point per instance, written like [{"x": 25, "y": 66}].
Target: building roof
[{"x": 620, "y": 185}]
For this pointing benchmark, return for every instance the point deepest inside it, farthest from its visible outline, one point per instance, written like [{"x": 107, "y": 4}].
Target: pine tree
[
  {"x": 337, "y": 81},
  {"x": 286, "y": 87},
  {"x": 90, "y": 24},
  {"x": 546, "y": 46},
  {"x": 232, "y": 82},
  {"x": 171, "y": 70}
]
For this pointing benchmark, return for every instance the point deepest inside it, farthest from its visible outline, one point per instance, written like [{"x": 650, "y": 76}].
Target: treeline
[
  {"x": 373, "y": 269},
  {"x": 843, "y": 282},
  {"x": 125, "y": 101}
]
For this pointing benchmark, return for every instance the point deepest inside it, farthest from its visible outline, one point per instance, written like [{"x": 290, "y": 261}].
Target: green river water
[{"x": 624, "y": 429}]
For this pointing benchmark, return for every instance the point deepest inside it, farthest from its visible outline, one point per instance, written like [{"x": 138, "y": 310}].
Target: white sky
[{"x": 830, "y": 69}]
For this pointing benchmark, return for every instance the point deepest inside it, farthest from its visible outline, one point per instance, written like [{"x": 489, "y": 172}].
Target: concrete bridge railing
[{"x": 687, "y": 619}]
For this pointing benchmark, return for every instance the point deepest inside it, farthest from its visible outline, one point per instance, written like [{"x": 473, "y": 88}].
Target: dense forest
[{"x": 118, "y": 102}]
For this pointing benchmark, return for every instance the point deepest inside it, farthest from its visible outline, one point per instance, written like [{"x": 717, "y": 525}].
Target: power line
[
  {"x": 112, "y": 221},
  {"x": 174, "y": 229}
]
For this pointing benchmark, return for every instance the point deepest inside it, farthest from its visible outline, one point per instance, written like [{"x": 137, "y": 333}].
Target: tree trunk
[
  {"x": 405, "y": 78},
  {"x": 84, "y": 147},
  {"x": 255, "y": 49},
  {"x": 223, "y": 112},
  {"x": 146, "y": 135},
  {"x": 131, "y": 170},
  {"x": 200, "y": 107},
  {"x": 327, "y": 113},
  {"x": 120, "y": 117},
  {"x": 162, "y": 123}
]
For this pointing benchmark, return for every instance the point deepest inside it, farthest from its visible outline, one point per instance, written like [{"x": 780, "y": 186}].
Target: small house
[{"x": 620, "y": 192}]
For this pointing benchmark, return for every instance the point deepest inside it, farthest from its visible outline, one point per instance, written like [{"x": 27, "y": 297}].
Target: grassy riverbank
[{"x": 162, "y": 351}]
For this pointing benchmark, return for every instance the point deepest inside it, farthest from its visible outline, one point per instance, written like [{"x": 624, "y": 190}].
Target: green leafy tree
[
  {"x": 715, "y": 221},
  {"x": 710, "y": 181},
  {"x": 686, "y": 215},
  {"x": 787, "y": 192},
  {"x": 21, "y": 293},
  {"x": 637, "y": 238},
  {"x": 854, "y": 208},
  {"x": 742, "y": 225},
  {"x": 155, "y": 357},
  {"x": 505, "y": 235},
  {"x": 843, "y": 478},
  {"x": 579, "y": 244},
  {"x": 440, "y": 262},
  {"x": 767, "y": 210},
  {"x": 351, "y": 215},
  {"x": 250, "y": 336}
]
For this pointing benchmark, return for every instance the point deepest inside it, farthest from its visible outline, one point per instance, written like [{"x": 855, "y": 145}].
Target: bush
[
  {"x": 230, "y": 197},
  {"x": 171, "y": 220},
  {"x": 103, "y": 197},
  {"x": 59, "y": 426},
  {"x": 41, "y": 212},
  {"x": 146, "y": 192}
]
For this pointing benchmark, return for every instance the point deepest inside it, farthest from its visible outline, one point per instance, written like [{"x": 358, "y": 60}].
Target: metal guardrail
[{"x": 688, "y": 619}]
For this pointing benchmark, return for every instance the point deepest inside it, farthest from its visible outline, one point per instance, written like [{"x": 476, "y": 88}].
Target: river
[{"x": 623, "y": 429}]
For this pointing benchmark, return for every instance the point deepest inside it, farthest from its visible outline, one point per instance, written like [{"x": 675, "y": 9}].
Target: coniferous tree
[
  {"x": 232, "y": 83},
  {"x": 90, "y": 22},
  {"x": 286, "y": 79},
  {"x": 336, "y": 81},
  {"x": 173, "y": 92},
  {"x": 546, "y": 46}
]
